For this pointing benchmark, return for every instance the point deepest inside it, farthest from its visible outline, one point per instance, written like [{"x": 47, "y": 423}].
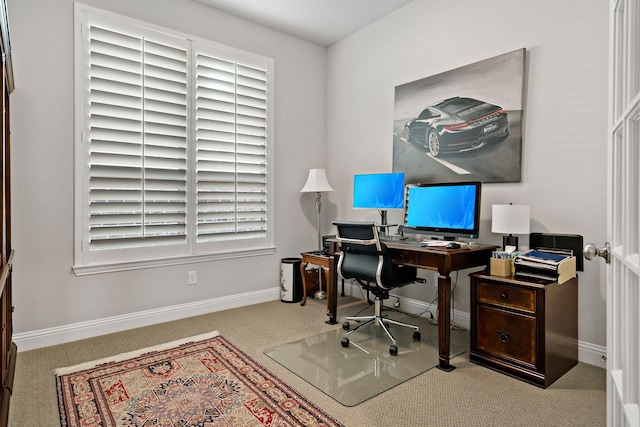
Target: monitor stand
[
  {"x": 384, "y": 226},
  {"x": 383, "y": 221}
]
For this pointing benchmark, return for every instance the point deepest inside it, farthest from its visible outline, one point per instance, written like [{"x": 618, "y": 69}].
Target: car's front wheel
[{"x": 433, "y": 141}]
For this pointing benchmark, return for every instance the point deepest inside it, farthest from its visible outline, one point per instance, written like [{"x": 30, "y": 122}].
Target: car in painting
[{"x": 456, "y": 125}]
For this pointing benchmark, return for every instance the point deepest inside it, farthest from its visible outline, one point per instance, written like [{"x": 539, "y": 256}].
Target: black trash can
[{"x": 290, "y": 280}]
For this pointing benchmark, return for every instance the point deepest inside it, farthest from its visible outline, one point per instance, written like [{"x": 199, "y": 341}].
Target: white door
[{"x": 623, "y": 216}]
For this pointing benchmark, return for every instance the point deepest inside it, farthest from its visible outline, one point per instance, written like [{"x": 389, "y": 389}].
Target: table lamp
[
  {"x": 317, "y": 183},
  {"x": 510, "y": 219}
]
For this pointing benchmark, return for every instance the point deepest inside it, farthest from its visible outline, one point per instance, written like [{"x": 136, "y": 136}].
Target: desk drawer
[
  {"x": 404, "y": 256},
  {"x": 507, "y": 334},
  {"x": 507, "y": 296}
]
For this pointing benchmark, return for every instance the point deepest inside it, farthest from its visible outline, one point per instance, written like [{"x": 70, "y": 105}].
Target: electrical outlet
[{"x": 193, "y": 277}]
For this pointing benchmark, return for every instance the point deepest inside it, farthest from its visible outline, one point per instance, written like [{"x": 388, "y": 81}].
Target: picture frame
[{"x": 462, "y": 125}]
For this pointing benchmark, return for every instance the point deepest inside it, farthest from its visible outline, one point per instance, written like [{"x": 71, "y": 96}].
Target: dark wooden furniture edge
[
  {"x": 328, "y": 268},
  {"x": 8, "y": 386},
  {"x": 8, "y": 349}
]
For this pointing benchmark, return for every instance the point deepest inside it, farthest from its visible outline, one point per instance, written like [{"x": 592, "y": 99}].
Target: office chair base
[
  {"x": 393, "y": 349},
  {"x": 320, "y": 295},
  {"x": 381, "y": 321}
]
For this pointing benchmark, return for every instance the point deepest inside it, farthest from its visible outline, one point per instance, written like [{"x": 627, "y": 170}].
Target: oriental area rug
[{"x": 201, "y": 381}]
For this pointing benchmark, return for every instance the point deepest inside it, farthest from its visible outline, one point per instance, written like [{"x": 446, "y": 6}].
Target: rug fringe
[{"x": 123, "y": 356}]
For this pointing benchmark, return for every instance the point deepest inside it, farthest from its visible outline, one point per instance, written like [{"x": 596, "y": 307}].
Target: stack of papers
[{"x": 546, "y": 264}]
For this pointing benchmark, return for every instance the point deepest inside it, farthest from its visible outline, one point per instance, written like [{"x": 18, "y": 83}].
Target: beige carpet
[{"x": 469, "y": 396}]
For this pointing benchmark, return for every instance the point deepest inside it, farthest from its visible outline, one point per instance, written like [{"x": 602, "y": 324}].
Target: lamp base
[
  {"x": 509, "y": 240},
  {"x": 320, "y": 295}
]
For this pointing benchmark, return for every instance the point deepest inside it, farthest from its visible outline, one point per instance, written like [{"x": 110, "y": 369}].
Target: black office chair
[{"x": 364, "y": 258}]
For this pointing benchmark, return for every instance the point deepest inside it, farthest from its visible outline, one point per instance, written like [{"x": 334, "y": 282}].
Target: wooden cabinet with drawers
[{"x": 526, "y": 329}]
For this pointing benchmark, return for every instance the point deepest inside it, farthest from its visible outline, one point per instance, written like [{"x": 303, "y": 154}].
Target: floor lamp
[{"x": 317, "y": 183}]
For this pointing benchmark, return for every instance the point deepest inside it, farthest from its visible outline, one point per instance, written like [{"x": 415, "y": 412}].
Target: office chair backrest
[{"x": 363, "y": 256}]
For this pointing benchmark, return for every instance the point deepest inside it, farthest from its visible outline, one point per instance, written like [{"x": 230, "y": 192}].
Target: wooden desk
[
  {"x": 328, "y": 269},
  {"x": 444, "y": 261}
]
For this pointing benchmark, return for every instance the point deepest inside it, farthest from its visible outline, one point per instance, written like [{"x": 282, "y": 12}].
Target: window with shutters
[{"x": 172, "y": 146}]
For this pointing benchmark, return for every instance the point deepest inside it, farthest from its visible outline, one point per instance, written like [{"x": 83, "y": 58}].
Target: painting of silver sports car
[{"x": 456, "y": 125}]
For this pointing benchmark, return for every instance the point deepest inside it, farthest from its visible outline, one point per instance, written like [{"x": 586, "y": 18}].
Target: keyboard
[
  {"x": 392, "y": 237},
  {"x": 443, "y": 243},
  {"x": 411, "y": 243}
]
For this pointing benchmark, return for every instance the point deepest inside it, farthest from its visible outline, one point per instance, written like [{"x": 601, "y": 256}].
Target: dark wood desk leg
[
  {"x": 332, "y": 292},
  {"x": 303, "y": 267},
  {"x": 444, "y": 323}
]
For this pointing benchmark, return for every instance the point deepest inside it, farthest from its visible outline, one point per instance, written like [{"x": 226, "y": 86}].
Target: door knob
[{"x": 591, "y": 251}]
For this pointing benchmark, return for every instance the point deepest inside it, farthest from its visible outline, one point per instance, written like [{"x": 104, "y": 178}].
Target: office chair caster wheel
[
  {"x": 346, "y": 326},
  {"x": 344, "y": 342},
  {"x": 393, "y": 350},
  {"x": 416, "y": 336}
]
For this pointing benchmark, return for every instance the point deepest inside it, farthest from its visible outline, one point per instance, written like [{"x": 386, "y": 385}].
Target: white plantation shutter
[
  {"x": 137, "y": 139},
  {"x": 231, "y": 123},
  {"x": 172, "y": 145},
  {"x": 165, "y": 142}
]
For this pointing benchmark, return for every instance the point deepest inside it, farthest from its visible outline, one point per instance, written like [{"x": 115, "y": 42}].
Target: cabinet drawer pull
[
  {"x": 503, "y": 296},
  {"x": 504, "y": 337}
]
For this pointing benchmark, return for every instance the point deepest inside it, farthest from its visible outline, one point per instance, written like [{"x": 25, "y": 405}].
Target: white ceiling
[{"x": 323, "y": 22}]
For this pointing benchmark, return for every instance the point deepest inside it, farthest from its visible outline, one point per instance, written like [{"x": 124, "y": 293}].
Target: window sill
[{"x": 86, "y": 270}]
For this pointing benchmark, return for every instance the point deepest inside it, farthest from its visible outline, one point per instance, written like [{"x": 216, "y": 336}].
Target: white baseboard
[
  {"x": 458, "y": 318},
  {"x": 592, "y": 354},
  {"x": 587, "y": 352},
  {"x": 77, "y": 331}
]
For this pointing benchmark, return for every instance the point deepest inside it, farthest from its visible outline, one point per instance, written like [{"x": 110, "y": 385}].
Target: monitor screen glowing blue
[
  {"x": 378, "y": 191},
  {"x": 450, "y": 210}
]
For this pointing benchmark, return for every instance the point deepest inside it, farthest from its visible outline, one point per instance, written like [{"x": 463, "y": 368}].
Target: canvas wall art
[{"x": 462, "y": 125}]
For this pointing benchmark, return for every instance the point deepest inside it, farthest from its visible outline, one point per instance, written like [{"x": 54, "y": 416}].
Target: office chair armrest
[{"x": 357, "y": 241}]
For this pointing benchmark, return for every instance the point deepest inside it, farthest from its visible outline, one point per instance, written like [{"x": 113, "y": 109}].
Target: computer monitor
[
  {"x": 380, "y": 191},
  {"x": 447, "y": 210}
]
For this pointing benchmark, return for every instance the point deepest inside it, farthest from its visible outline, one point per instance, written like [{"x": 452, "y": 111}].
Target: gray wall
[
  {"x": 564, "y": 151},
  {"x": 47, "y": 295}
]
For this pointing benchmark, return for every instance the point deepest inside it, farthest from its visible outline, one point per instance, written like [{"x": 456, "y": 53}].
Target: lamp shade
[
  {"x": 510, "y": 219},
  {"x": 316, "y": 182}
]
